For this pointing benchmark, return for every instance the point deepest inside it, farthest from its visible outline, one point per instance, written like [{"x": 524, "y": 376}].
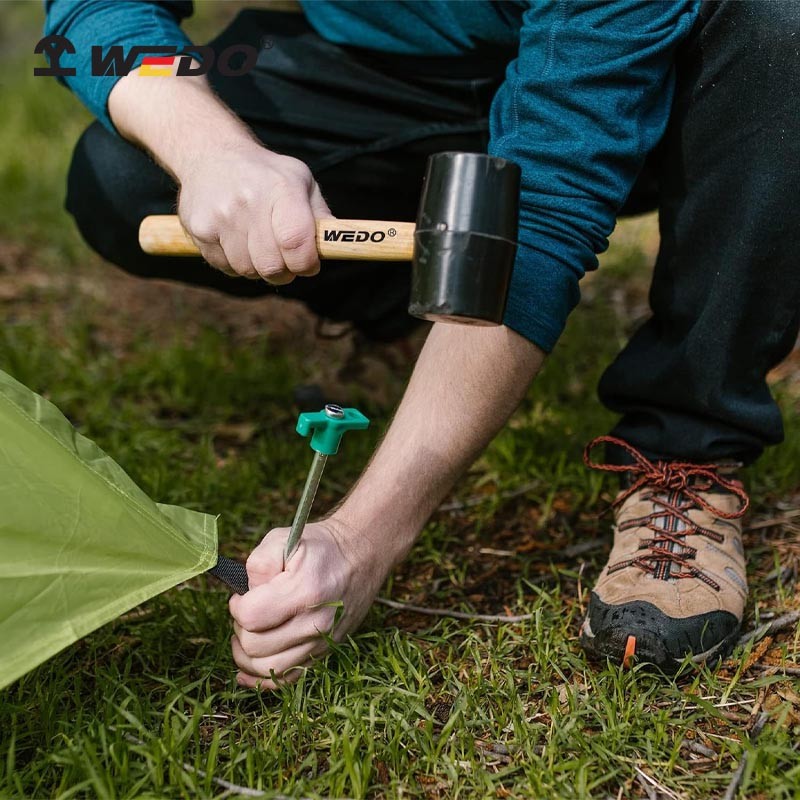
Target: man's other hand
[
  {"x": 252, "y": 213},
  {"x": 249, "y": 210},
  {"x": 281, "y": 625}
]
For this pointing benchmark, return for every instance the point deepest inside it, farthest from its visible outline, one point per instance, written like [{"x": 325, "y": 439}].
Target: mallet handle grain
[{"x": 352, "y": 239}]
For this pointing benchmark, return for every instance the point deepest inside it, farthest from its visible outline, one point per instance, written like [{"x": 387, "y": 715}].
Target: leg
[
  {"x": 726, "y": 289},
  {"x": 364, "y": 124},
  {"x": 691, "y": 383}
]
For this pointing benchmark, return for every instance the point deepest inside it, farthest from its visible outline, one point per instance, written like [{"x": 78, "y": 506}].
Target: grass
[{"x": 192, "y": 395}]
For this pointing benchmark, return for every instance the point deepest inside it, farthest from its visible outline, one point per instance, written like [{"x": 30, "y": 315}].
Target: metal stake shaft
[{"x": 304, "y": 506}]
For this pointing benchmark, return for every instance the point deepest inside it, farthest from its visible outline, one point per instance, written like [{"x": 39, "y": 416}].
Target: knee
[{"x": 111, "y": 187}]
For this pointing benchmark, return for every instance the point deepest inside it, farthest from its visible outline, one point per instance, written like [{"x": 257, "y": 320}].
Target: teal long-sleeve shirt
[{"x": 587, "y": 94}]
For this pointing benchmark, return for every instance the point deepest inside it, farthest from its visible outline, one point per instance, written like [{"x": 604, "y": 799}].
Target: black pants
[{"x": 726, "y": 290}]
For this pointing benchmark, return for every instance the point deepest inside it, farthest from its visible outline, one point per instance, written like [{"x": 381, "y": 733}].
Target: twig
[
  {"x": 778, "y": 670},
  {"x": 242, "y": 790},
  {"x": 648, "y": 789},
  {"x": 773, "y": 521},
  {"x": 231, "y": 787},
  {"x": 698, "y": 748},
  {"x": 580, "y": 548},
  {"x": 780, "y": 574},
  {"x": 580, "y": 588},
  {"x": 491, "y": 551},
  {"x": 779, "y": 624},
  {"x": 736, "y": 780},
  {"x": 446, "y": 612},
  {"x": 476, "y": 500},
  {"x": 653, "y": 784}
]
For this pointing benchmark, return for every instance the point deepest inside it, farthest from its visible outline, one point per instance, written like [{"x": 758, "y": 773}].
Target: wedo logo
[
  {"x": 332, "y": 235},
  {"x": 233, "y": 61}
]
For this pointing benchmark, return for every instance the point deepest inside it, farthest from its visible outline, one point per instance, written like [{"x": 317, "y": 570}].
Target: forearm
[
  {"x": 178, "y": 120},
  {"x": 466, "y": 384}
]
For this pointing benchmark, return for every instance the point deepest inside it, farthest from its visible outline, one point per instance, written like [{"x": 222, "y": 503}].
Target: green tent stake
[{"x": 327, "y": 427}]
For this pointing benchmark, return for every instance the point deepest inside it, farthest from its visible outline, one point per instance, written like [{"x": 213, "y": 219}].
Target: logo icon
[
  {"x": 155, "y": 66},
  {"x": 233, "y": 61},
  {"x": 54, "y": 47}
]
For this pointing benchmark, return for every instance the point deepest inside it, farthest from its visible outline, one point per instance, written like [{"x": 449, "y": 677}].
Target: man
[{"x": 607, "y": 107}]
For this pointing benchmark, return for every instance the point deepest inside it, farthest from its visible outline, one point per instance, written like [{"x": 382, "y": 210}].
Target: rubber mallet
[{"x": 462, "y": 246}]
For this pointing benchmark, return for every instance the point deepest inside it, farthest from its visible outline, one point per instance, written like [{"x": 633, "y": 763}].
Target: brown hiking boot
[{"x": 675, "y": 582}]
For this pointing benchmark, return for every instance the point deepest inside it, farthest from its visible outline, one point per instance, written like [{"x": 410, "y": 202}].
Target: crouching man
[{"x": 607, "y": 107}]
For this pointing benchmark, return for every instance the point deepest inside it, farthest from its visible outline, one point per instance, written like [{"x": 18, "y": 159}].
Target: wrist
[
  {"x": 180, "y": 121},
  {"x": 378, "y": 542},
  {"x": 201, "y": 149}
]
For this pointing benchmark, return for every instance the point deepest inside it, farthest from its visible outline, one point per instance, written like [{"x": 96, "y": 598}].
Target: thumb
[{"x": 266, "y": 561}]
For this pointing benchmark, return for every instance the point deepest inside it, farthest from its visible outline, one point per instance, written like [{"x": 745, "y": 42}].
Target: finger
[
  {"x": 297, "y": 631},
  {"x": 292, "y": 675},
  {"x": 276, "y": 668},
  {"x": 269, "y": 605},
  {"x": 234, "y": 244},
  {"x": 266, "y": 560},
  {"x": 267, "y": 258},
  {"x": 295, "y": 233},
  {"x": 319, "y": 207},
  {"x": 265, "y": 684},
  {"x": 213, "y": 253},
  {"x": 204, "y": 234}
]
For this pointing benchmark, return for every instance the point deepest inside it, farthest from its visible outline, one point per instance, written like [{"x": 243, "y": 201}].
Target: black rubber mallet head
[
  {"x": 462, "y": 247},
  {"x": 466, "y": 239}
]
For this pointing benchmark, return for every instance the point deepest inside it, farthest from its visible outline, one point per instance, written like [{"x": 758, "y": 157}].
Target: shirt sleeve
[
  {"x": 586, "y": 99},
  {"x": 111, "y": 22}
]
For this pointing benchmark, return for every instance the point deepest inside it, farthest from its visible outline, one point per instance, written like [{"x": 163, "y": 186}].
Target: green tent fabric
[{"x": 81, "y": 543}]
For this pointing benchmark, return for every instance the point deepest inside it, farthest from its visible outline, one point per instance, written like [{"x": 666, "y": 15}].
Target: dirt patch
[{"x": 122, "y": 310}]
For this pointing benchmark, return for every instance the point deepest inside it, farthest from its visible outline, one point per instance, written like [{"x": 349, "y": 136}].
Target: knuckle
[
  {"x": 259, "y": 562},
  {"x": 239, "y": 264},
  {"x": 235, "y": 204},
  {"x": 246, "y": 196},
  {"x": 296, "y": 168},
  {"x": 247, "y": 617},
  {"x": 204, "y": 227},
  {"x": 271, "y": 271},
  {"x": 249, "y": 644},
  {"x": 274, "y": 273},
  {"x": 208, "y": 223},
  {"x": 266, "y": 257},
  {"x": 255, "y": 561},
  {"x": 317, "y": 629},
  {"x": 309, "y": 267},
  {"x": 292, "y": 238},
  {"x": 291, "y": 675},
  {"x": 311, "y": 597},
  {"x": 218, "y": 263}
]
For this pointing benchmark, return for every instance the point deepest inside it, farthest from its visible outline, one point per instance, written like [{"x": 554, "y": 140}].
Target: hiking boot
[{"x": 675, "y": 582}]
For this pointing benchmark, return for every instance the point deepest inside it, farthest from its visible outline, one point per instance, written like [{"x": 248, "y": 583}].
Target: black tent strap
[{"x": 232, "y": 573}]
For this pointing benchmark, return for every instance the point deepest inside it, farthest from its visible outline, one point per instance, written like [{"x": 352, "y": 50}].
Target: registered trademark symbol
[{"x": 392, "y": 232}]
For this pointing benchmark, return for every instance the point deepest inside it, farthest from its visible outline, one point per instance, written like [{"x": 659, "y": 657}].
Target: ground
[{"x": 193, "y": 394}]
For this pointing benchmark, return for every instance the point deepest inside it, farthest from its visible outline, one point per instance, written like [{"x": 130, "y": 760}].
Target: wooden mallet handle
[{"x": 352, "y": 239}]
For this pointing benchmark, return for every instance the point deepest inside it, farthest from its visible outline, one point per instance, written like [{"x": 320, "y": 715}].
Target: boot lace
[{"x": 684, "y": 484}]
